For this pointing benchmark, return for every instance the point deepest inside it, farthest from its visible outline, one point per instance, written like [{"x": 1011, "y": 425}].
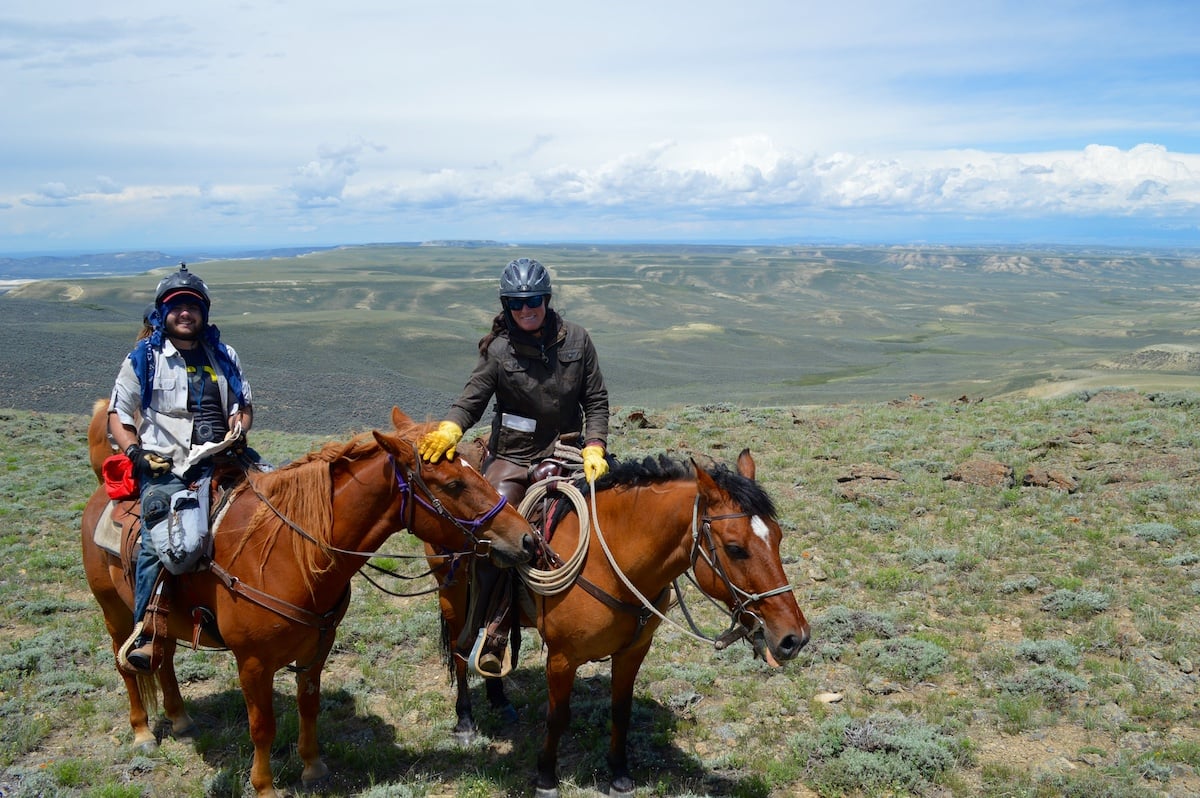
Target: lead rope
[{"x": 625, "y": 579}]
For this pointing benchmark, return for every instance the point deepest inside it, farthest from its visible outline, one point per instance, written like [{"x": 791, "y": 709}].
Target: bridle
[
  {"x": 704, "y": 547},
  {"x": 480, "y": 547},
  {"x": 409, "y": 499}
]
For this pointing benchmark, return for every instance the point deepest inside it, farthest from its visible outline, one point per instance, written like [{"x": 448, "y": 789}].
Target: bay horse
[
  {"x": 284, "y": 553},
  {"x": 659, "y": 518}
]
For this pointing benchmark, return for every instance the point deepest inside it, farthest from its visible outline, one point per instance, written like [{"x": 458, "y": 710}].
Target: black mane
[{"x": 661, "y": 468}]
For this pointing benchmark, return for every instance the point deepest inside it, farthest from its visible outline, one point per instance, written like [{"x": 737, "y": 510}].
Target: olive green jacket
[{"x": 542, "y": 392}]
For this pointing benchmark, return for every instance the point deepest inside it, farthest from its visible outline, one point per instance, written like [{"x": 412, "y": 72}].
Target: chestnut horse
[
  {"x": 658, "y": 518},
  {"x": 284, "y": 553}
]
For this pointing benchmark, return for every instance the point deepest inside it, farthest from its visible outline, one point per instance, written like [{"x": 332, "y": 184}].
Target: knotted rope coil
[{"x": 557, "y": 580}]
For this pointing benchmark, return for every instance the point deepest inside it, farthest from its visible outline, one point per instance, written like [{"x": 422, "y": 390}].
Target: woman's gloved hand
[
  {"x": 439, "y": 443},
  {"x": 594, "y": 464}
]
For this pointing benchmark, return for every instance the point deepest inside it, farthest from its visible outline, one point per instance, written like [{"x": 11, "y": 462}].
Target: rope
[
  {"x": 557, "y": 580},
  {"x": 612, "y": 561}
]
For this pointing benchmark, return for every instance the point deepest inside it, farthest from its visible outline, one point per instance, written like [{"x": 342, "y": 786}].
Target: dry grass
[{"x": 995, "y": 640}]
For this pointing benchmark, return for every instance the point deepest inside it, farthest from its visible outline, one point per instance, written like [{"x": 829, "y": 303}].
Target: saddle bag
[{"x": 183, "y": 539}]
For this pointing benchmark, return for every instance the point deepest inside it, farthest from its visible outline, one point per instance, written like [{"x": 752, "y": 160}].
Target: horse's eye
[
  {"x": 735, "y": 552},
  {"x": 454, "y": 487}
]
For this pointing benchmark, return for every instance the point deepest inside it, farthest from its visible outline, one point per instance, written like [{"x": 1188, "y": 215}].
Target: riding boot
[
  {"x": 146, "y": 652},
  {"x": 491, "y": 606},
  {"x": 499, "y": 626},
  {"x": 486, "y": 631}
]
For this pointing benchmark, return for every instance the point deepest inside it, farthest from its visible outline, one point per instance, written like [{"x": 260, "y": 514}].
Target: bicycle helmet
[
  {"x": 524, "y": 277},
  {"x": 182, "y": 283}
]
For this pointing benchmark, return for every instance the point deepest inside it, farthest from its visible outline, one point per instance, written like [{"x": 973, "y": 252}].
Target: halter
[
  {"x": 704, "y": 547},
  {"x": 469, "y": 528},
  {"x": 738, "y": 628}
]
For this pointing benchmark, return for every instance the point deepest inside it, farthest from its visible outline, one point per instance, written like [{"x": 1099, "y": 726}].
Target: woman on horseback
[{"x": 545, "y": 376}]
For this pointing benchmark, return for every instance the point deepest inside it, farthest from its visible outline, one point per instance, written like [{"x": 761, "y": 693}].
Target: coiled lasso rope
[{"x": 553, "y": 582}]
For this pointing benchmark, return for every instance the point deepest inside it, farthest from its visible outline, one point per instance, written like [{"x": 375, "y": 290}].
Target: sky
[{"x": 163, "y": 125}]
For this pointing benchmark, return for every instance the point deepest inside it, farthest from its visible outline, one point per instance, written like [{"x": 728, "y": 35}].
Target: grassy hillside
[
  {"x": 1009, "y": 639},
  {"x": 334, "y": 338}
]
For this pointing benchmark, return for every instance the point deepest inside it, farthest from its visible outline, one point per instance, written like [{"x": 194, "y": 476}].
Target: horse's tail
[
  {"x": 147, "y": 687},
  {"x": 448, "y": 648},
  {"x": 99, "y": 446}
]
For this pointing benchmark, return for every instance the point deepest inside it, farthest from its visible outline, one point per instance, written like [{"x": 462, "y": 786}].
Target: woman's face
[{"x": 529, "y": 319}]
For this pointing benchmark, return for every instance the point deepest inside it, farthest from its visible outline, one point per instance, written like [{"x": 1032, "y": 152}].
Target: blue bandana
[{"x": 142, "y": 359}]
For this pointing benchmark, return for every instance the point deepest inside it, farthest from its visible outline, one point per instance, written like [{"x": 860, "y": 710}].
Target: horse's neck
[
  {"x": 651, "y": 528},
  {"x": 366, "y": 510}
]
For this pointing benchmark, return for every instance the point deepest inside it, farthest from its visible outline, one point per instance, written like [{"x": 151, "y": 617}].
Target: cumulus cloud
[
  {"x": 1095, "y": 180},
  {"x": 322, "y": 181}
]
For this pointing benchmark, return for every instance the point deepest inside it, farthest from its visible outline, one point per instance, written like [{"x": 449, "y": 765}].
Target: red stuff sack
[{"x": 118, "y": 478}]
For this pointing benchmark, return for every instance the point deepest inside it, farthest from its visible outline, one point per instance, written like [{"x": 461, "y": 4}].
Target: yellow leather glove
[
  {"x": 594, "y": 464},
  {"x": 439, "y": 443}
]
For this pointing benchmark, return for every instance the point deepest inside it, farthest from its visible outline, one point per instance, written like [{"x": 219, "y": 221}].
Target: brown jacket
[{"x": 558, "y": 386}]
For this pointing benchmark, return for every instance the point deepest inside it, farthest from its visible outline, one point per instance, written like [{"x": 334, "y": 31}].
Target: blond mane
[{"x": 302, "y": 493}]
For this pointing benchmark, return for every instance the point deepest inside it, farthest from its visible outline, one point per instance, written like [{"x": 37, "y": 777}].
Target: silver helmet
[{"x": 524, "y": 277}]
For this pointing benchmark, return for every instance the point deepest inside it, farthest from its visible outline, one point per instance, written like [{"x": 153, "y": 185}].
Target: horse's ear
[
  {"x": 704, "y": 480},
  {"x": 399, "y": 419},
  {"x": 387, "y": 443},
  {"x": 746, "y": 464}
]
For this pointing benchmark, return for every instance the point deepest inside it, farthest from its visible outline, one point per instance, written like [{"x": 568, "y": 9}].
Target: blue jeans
[{"x": 156, "y": 504}]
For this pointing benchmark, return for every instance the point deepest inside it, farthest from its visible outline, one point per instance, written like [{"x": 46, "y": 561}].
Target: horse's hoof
[
  {"x": 620, "y": 788},
  {"x": 146, "y": 747},
  {"x": 545, "y": 792},
  {"x": 317, "y": 785},
  {"x": 464, "y": 738},
  {"x": 189, "y": 732}
]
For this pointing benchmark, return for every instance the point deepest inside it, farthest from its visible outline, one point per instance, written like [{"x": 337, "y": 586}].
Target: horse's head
[
  {"x": 453, "y": 499},
  {"x": 736, "y": 560}
]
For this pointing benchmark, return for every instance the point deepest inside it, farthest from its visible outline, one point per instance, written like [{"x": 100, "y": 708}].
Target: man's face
[{"x": 185, "y": 320}]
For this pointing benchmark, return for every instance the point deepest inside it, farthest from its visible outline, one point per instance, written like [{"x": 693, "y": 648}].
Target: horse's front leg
[
  {"x": 560, "y": 678},
  {"x": 308, "y": 700},
  {"x": 625, "y": 667},
  {"x": 256, "y": 684},
  {"x": 118, "y": 632},
  {"x": 452, "y": 601},
  {"x": 143, "y": 737}
]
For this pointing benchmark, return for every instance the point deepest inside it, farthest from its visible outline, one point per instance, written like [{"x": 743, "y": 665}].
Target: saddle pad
[{"x": 108, "y": 531}]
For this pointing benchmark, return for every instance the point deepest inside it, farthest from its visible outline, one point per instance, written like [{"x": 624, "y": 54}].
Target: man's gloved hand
[
  {"x": 147, "y": 465},
  {"x": 440, "y": 442},
  {"x": 238, "y": 447},
  {"x": 594, "y": 464}
]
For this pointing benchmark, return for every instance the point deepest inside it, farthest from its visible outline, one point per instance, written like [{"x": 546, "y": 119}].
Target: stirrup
[
  {"x": 123, "y": 662},
  {"x": 477, "y": 651}
]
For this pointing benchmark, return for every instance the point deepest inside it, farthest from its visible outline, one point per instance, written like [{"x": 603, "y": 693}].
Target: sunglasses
[{"x": 519, "y": 302}]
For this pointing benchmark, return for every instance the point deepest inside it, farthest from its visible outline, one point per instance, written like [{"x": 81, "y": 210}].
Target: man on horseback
[
  {"x": 545, "y": 376},
  {"x": 179, "y": 388}
]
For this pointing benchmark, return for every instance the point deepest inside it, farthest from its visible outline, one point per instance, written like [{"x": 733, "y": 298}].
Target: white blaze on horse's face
[
  {"x": 760, "y": 528},
  {"x": 463, "y": 462}
]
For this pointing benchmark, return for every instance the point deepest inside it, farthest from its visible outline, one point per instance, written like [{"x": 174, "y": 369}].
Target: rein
[
  {"x": 408, "y": 501},
  {"x": 408, "y": 498},
  {"x": 737, "y": 628}
]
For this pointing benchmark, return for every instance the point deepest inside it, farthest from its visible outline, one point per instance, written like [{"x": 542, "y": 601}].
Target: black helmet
[
  {"x": 524, "y": 277},
  {"x": 182, "y": 282}
]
